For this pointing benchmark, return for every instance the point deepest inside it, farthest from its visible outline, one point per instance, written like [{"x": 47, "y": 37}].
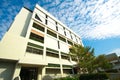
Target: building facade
[
  {"x": 36, "y": 47},
  {"x": 114, "y": 60}
]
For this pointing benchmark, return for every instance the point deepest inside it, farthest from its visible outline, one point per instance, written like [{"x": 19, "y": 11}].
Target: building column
[
  {"x": 17, "y": 71},
  {"x": 61, "y": 70},
  {"x": 43, "y": 71},
  {"x": 40, "y": 73},
  {"x": 44, "y": 50}
]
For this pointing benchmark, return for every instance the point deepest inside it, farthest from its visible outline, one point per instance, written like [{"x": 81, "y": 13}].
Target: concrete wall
[
  {"x": 12, "y": 47},
  {"x": 13, "y": 44},
  {"x": 20, "y": 25},
  {"x": 6, "y": 70}
]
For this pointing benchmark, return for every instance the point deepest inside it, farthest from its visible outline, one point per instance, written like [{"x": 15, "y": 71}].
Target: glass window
[
  {"x": 37, "y": 17},
  {"x": 35, "y": 45},
  {"x": 52, "y": 54},
  {"x": 69, "y": 42},
  {"x": 52, "y": 50},
  {"x": 51, "y": 33},
  {"x": 34, "y": 50},
  {"x": 58, "y": 45},
  {"x": 38, "y": 27},
  {"x": 62, "y": 39},
  {"x": 37, "y": 38}
]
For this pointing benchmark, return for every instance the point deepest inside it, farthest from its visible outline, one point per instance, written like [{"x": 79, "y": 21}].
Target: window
[
  {"x": 36, "y": 38},
  {"x": 65, "y": 57},
  {"x": 53, "y": 65},
  {"x": 69, "y": 42},
  {"x": 58, "y": 45},
  {"x": 61, "y": 38},
  {"x": 52, "y": 50},
  {"x": 38, "y": 27},
  {"x": 56, "y": 26},
  {"x": 51, "y": 33},
  {"x": 35, "y": 45},
  {"x": 46, "y": 20},
  {"x": 67, "y": 66},
  {"x": 52, "y": 54},
  {"x": 64, "y": 32},
  {"x": 33, "y": 48},
  {"x": 37, "y": 17}
]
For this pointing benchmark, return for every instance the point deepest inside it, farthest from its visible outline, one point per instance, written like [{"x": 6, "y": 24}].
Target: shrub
[
  {"x": 67, "y": 78},
  {"x": 97, "y": 76}
]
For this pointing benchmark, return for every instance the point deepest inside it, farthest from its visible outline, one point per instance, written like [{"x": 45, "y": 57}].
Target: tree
[
  {"x": 86, "y": 59},
  {"x": 101, "y": 63},
  {"x": 84, "y": 56}
]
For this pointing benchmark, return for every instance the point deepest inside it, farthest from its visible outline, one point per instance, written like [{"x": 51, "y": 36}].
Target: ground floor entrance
[{"x": 29, "y": 73}]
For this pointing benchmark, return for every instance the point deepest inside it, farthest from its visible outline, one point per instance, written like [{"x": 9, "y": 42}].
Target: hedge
[{"x": 97, "y": 76}]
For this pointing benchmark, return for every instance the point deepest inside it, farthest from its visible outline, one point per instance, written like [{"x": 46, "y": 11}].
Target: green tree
[
  {"x": 84, "y": 56},
  {"x": 86, "y": 59},
  {"x": 101, "y": 63}
]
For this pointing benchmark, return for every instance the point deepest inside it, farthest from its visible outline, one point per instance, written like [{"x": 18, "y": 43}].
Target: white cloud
[
  {"x": 94, "y": 19},
  {"x": 102, "y": 31}
]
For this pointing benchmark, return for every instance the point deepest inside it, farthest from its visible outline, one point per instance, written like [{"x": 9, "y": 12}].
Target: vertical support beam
[
  {"x": 39, "y": 73},
  {"x": 61, "y": 70},
  {"x": 43, "y": 72},
  {"x": 61, "y": 67},
  {"x": 44, "y": 50},
  {"x": 17, "y": 71}
]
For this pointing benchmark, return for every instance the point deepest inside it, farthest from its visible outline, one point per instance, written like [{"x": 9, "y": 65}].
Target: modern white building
[{"x": 36, "y": 47}]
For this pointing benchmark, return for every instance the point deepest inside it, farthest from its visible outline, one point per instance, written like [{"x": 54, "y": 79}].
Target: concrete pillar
[
  {"x": 39, "y": 73},
  {"x": 43, "y": 71},
  {"x": 17, "y": 71},
  {"x": 44, "y": 50},
  {"x": 61, "y": 70}
]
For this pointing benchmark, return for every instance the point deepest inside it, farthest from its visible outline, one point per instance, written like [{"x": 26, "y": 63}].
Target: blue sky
[{"x": 96, "y": 21}]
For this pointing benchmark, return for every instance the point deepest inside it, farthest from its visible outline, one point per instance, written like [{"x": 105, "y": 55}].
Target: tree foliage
[
  {"x": 84, "y": 56},
  {"x": 86, "y": 59},
  {"x": 101, "y": 62}
]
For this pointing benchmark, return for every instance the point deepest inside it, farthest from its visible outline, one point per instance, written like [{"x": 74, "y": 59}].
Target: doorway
[{"x": 29, "y": 73}]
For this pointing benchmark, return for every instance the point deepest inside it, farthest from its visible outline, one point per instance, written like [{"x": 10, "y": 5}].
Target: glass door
[{"x": 28, "y": 73}]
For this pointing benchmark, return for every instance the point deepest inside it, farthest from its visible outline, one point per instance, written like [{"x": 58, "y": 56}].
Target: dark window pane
[
  {"x": 36, "y": 38},
  {"x": 37, "y": 17},
  {"x": 52, "y": 54},
  {"x": 51, "y": 50},
  {"x": 38, "y": 27},
  {"x": 35, "y": 45},
  {"x": 62, "y": 39},
  {"x": 52, "y": 33},
  {"x": 34, "y": 50},
  {"x": 69, "y": 42}
]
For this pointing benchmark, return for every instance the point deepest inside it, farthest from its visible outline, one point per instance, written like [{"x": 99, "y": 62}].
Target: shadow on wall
[
  {"x": 6, "y": 70},
  {"x": 47, "y": 77}
]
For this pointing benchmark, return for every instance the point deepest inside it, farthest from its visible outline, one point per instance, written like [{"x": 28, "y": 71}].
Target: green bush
[
  {"x": 97, "y": 76},
  {"x": 68, "y": 78}
]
